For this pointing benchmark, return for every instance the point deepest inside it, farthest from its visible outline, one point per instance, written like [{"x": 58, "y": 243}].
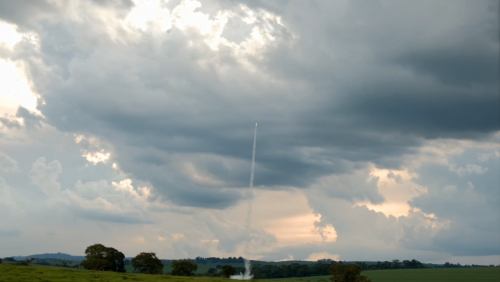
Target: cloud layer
[{"x": 380, "y": 124}]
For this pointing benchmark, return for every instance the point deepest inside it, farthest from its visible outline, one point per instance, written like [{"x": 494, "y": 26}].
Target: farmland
[
  {"x": 15, "y": 273},
  {"x": 418, "y": 275}
]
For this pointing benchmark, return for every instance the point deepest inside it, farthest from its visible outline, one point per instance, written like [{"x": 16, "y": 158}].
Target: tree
[
  {"x": 117, "y": 260},
  {"x": 183, "y": 268},
  {"x": 98, "y": 253},
  {"x": 147, "y": 263},
  {"x": 0, "y": 261},
  {"x": 396, "y": 264},
  {"x": 27, "y": 262},
  {"x": 347, "y": 273},
  {"x": 96, "y": 264},
  {"x": 211, "y": 272},
  {"x": 386, "y": 265},
  {"x": 228, "y": 270}
]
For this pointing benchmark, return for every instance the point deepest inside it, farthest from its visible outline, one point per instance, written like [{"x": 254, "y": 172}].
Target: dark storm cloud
[
  {"x": 451, "y": 87},
  {"x": 457, "y": 65},
  {"x": 361, "y": 88},
  {"x": 430, "y": 113},
  {"x": 202, "y": 197}
]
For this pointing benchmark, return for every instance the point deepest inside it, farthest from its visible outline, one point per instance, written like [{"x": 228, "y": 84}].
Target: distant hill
[{"x": 60, "y": 256}]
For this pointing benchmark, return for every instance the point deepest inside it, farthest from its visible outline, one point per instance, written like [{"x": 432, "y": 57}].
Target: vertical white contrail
[
  {"x": 250, "y": 192},
  {"x": 253, "y": 156},
  {"x": 247, "y": 275}
]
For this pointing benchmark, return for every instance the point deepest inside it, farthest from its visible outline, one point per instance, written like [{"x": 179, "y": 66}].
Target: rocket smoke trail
[
  {"x": 247, "y": 275},
  {"x": 253, "y": 156},
  {"x": 250, "y": 192}
]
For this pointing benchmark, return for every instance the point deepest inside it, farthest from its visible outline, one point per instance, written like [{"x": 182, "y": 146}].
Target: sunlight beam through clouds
[{"x": 15, "y": 88}]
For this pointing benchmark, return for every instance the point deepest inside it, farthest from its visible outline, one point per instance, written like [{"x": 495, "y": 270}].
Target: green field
[
  {"x": 418, "y": 275},
  {"x": 436, "y": 274},
  {"x": 15, "y": 273}
]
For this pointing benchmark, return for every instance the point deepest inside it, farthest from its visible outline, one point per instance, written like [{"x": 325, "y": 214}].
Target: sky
[{"x": 130, "y": 123}]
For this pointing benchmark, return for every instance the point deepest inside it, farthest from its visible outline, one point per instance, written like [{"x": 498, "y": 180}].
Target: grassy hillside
[{"x": 13, "y": 273}]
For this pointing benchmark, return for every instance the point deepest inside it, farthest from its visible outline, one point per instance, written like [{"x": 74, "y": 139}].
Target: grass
[
  {"x": 419, "y": 275},
  {"x": 436, "y": 274},
  {"x": 13, "y": 273}
]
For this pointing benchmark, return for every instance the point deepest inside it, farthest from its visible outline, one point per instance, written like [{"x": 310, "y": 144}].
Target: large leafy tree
[
  {"x": 147, "y": 263},
  {"x": 117, "y": 260},
  {"x": 347, "y": 273},
  {"x": 228, "y": 270},
  {"x": 102, "y": 258},
  {"x": 96, "y": 264},
  {"x": 183, "y": 268}
]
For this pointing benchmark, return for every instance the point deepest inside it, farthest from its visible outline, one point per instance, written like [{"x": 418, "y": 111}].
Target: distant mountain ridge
[{"x": 59, "y": 255}]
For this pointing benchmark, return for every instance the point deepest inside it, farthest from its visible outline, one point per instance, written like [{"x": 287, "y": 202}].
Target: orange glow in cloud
[
  {"x": 139, "y": 240},
  {"x": 322, "y": 255},
  {"x": 397, "y": 188},
  {"x": 287, "y": 215}
]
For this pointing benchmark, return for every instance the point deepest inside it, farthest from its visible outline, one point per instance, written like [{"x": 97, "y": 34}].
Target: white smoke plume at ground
[{"x": 247, "y": 275}]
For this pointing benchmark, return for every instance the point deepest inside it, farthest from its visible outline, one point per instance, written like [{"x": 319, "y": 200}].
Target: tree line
[
  {"x": 102, "y": 258},
  {"x": 394, "y": 264},
  {"x": 340, "y": 271},
  {"x": 323, "y": 267},
  {"x": 202, "y": 260}
]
